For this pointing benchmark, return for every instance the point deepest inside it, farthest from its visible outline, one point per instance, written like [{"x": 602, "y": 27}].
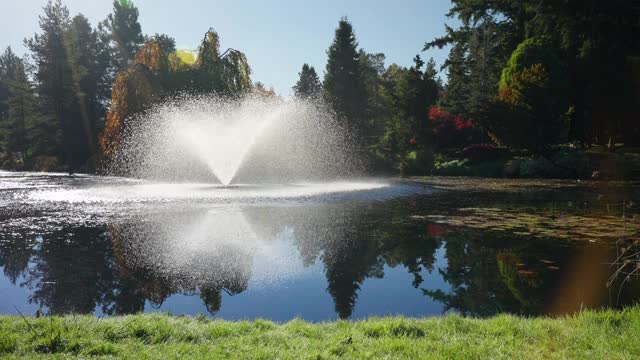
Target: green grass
[{"x": 589, "y": 335}]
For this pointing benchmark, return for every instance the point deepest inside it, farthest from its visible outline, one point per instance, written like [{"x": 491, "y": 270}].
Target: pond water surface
[{"x": 316, "y": 251}]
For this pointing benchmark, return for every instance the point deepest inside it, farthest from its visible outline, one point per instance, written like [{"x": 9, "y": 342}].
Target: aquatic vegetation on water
[{"x": 542, "y": 225}]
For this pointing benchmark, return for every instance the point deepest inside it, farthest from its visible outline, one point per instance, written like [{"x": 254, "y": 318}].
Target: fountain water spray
[{"x": 254, "y": 139}]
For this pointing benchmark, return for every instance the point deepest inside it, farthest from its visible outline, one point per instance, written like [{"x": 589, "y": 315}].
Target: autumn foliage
[
  {"x": 155, "y": 75},
  {"x": 132, "y": 91}
]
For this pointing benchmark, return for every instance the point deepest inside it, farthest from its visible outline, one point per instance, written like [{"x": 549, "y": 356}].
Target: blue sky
[{"x": 277, "y": 36}]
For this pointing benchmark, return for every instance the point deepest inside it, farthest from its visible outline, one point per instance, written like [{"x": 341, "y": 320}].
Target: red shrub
[
  {"x": 450, "y": 131},
  {"x": 438, "y": 114}
]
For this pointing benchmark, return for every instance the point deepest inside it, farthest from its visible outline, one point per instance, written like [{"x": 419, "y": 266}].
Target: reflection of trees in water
[
  {"x": 71, "y": 271},
  {"x": 491, "y": 274},
  {"x": 353, "y": 242},
  {"x": 121, "y": 266},
  {"x": 15, "y": 252}
]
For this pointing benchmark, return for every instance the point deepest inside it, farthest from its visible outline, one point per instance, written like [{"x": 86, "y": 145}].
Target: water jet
[{"x": 249, "y": 140}]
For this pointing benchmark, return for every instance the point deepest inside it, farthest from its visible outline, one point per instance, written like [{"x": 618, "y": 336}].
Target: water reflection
[{"x": 213, "y": 252}]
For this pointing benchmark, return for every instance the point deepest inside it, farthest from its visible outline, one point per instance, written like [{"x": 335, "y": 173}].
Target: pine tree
[
  {"x": 88, "y": 70},
  {"x": 378, "y": 101},
  {"x": 123, "y": 32},
  {"x": 8, "y": 64},
  {"x": 308, "y": 85},
  {"x": 53, "y": 75},
  {"x": 22, "y": 111},
  {"x": 167, "y": 43},
  {"x": 343, "y": 83},
  {"x": 458, "y": 80},
  {"x": 486, "y": 59}
]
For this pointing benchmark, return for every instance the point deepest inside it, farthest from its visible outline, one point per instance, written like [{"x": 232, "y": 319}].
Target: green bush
[{"x": 530, "y": 110}]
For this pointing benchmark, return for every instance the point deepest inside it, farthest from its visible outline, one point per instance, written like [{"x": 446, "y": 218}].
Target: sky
[{"x": 277, "y": 36}]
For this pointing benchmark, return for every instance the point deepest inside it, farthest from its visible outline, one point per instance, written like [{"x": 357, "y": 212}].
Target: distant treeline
[{"x": 522, "y": 74}]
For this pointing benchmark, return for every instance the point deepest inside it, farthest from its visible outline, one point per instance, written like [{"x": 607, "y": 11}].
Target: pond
[{"x": 317, "y": 251}]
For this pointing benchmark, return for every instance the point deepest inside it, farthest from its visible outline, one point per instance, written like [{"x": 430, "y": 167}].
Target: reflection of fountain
[
  {"x": 209, "y": 253},
  {"x": 257, "y": 139}
]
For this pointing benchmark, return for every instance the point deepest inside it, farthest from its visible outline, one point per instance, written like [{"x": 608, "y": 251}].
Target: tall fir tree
[
  {"x": 458, "y": 80},
  {"x": 308, "y": 85},
  {"x": 373, "y": 68},
  {"x": 53, "y": 75},
  {"x": 88, "y": 67},
  {"x": 344, "y": 87},
  {"x": 8, "y": 63},
  {"x": 12, "y": 123},
  {"x": 23, "y": 114},
  {"x": 123, "y": 32}
]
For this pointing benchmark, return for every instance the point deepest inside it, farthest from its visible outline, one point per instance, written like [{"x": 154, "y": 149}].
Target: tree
[
  {"x": 8, "y": 64},
  {"x": 407, "y": 141},
  {"x": 89, "y": 68},
  {"x": 123, "y": 32},
  {"x": 155, "y": 76},
  {"x": 167, "y": 43},
  {"x": 533, "y": 99},
  {"x": 134, "y": 90},
  {"x": 343, "y": 83},
  {"x": 308, "y": 85},
  {"x": 22, "y": 113},
  {"x": 17, "y": 104},
  {"x": 597, "y": 40},
  {"x": 226, "y": 73},
  {"x": 485, "y": 59},
  {"x": 378, "y": 100},
  {"x": 457, "y": 91},
  {"x": 53, "y": 76},
  {"x": 208, "y": 64}
]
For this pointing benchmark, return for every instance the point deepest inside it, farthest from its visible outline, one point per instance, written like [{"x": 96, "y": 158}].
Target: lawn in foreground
[{"x": 588, "y": 335}]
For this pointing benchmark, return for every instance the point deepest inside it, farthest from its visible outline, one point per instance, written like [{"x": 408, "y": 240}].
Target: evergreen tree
[
  {"x": 22, "y": 113},
  {"x": 123, "y": 32},
  {"x": 88, "y": 70},
  {"x": 343, "y": 83},
  {"x": 485, "y": 60},
  {"x": 8, "y": 64},
  {"x": 167, "y": 43},
  {"x": 16, "y": 103},
  {"x": 407, "y": 141},
  {"x": 378, "y": 101},
  {"x": 458, "y": 80},
  {"x": 53, "y": 75},
  {"x": 308, "y": 85}
]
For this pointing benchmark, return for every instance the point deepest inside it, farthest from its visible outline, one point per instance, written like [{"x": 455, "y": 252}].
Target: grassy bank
[{"x": 592, "y": 335}]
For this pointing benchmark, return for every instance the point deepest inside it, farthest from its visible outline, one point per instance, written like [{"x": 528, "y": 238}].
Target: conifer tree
[
  {"x": 308, "y": 85},
  {"x": 343, "y": 83},
  {"x": 123, "y": 32},
  {"x": 458, "y": 80},
  {"x": 8, "y": 64},
  {"x": 53, "y": 75},
  {"x": 88, "y": 68}
]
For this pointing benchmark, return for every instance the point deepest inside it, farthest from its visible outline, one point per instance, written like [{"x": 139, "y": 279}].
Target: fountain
[{"x": 252, "y": 140}]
